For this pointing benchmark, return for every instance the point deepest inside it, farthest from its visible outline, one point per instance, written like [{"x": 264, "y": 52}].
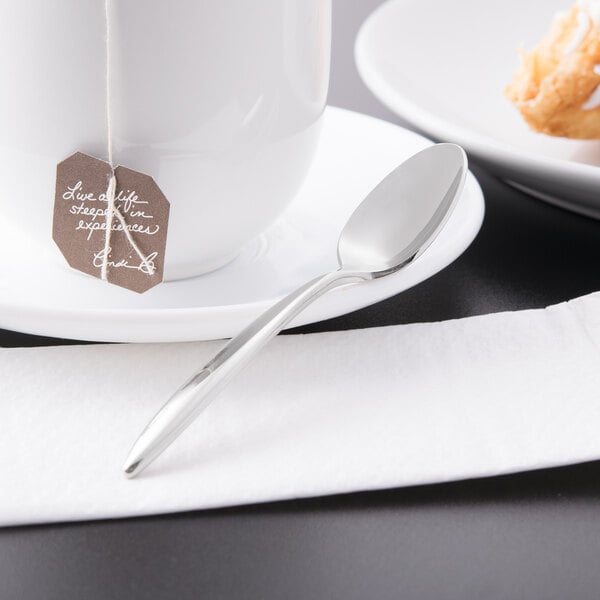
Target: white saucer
[
  {"x": 443, "y": 66},
  {"x": 38, "y": 295}
]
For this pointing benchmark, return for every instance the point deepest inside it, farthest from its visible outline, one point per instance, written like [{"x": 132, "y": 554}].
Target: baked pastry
[{"x": 557, "y": 87}]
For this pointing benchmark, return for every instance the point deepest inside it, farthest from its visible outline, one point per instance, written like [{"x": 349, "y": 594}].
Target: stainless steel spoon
[{"x": 392, "y": 226}]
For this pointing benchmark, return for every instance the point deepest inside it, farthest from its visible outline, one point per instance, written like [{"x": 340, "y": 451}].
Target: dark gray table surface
[{"x": 528, "y": 536}]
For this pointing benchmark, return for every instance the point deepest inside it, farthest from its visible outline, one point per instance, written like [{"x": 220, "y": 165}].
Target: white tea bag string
[{"x": 112, "y": 208}]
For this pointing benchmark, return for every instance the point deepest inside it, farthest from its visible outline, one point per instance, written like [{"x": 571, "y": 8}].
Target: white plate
[
  {"x": 39, "y": 295},
  {"x": 443, "y": 66}
]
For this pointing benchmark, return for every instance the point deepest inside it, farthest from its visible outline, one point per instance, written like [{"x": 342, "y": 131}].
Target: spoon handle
[{"x": 198, "y": 392}]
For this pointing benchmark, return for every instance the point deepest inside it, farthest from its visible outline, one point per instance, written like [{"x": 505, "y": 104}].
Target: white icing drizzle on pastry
[
  {"x": 592, "y": 8},
  {"x": 588, "y": 14},
  {"x": 583, "y": 26}
]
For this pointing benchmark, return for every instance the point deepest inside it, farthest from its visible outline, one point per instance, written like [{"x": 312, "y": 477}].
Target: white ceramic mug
[{"x": 219, "y": 100}]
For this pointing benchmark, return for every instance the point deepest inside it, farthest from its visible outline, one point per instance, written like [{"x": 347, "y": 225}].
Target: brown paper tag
[{"x": 79, "y": 226}]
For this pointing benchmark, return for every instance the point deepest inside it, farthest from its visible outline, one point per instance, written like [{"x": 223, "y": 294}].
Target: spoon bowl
[{"x": 402, "y": 216}]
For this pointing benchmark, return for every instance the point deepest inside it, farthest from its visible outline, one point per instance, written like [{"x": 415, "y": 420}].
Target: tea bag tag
[{"x": 134, "y": 256}]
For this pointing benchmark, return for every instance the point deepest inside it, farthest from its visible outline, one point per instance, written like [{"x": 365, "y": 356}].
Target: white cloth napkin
[{"x": 314, "y": 414}]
